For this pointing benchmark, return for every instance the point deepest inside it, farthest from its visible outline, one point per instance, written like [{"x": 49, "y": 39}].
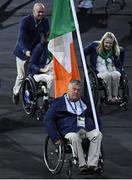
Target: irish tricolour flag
[{"x": 62, "y": 47}]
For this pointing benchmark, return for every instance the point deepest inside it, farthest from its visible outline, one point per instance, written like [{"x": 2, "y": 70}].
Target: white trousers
[
  {"x": 48, "y": 79},
  {"x": 112, "y": 80},
  {"x": 95, "y": 138},
  {"x": 21, "y": 74}
]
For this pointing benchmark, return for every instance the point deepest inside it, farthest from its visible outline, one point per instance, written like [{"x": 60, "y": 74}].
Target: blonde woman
[{"x": 107, "y": 59}]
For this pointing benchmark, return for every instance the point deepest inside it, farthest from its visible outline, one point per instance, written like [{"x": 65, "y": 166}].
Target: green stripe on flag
[{"x": 62, "y": 19}]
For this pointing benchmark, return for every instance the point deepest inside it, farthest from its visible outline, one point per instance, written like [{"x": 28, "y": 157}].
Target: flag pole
[{"x": 84, "y": 63}]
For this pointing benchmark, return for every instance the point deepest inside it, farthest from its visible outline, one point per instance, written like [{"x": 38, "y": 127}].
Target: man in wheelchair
[
  {"x": 72, "y": 116},
  {"x": 41, "y": 67},
  {"x": 107, "y": 60}
]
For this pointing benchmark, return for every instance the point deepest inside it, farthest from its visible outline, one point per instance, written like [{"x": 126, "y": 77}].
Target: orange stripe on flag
[{"x": 61, "y": 76}]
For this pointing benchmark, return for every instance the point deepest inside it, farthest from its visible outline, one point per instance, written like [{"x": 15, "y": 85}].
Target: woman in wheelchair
[
  {"x": 107, "y": 59},
  {"x": 72, "y": 116}
]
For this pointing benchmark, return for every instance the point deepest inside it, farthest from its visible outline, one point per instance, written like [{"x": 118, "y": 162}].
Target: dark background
[{"x": 21, "y": 136}]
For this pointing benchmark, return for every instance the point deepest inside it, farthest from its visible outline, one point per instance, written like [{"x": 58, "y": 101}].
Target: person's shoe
[
  {"x": 116, "y": 99},
  {"x": 93, "y": 169},
  {"x": 83, "y": 168},
  {"x": 15, "y": 99}
]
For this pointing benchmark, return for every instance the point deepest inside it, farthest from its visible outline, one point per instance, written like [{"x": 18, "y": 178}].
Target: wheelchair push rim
[
  {"x": 94, "y": 86},
  {"x": 53, "y": 156},
  {"x": 29, "y": 97}
]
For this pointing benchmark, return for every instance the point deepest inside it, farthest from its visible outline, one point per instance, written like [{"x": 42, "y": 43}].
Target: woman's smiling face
[{"x": 108, "y": 44}]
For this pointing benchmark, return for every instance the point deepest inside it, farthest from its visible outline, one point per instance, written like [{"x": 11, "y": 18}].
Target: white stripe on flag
[{"x": 60, "y": 48}]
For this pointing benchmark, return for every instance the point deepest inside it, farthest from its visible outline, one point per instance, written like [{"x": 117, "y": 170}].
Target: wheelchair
[
  {"x": 34, "y": 97},
  {"x": 55, "y": 156},
  {"x": 99, "y": 90}
]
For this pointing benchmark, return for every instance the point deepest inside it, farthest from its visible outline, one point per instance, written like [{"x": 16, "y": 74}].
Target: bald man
[{"x": 31, "y": 29}]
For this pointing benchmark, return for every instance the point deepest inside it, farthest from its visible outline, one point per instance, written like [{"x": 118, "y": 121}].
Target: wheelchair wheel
[
  {"x": 101, "y": 162},
  {"x": 124, "y": 91},
  {"x": 125, "y": 97},
  {"x": 53, "y": 156},
  {"x": 29, "y": 96},
  {"x": 94, "y": 86}
]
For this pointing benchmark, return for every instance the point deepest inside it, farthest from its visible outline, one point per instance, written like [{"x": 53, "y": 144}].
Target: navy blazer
[
  {"x": 29, "y": 35},
  {"x": 38, "y": 59},
  {"x": 91, "y": 49},
  {"x": 58, "y": 119}
]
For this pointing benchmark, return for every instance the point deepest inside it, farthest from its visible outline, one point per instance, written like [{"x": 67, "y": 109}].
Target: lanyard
[{"x": 74, "y": 109}]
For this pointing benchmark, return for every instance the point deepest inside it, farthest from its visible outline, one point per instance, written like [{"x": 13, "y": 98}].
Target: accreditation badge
[{"x": 81, "y": 121}]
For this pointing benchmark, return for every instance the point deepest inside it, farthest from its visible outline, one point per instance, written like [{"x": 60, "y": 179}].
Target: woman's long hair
[{"x": 115, "y": 47}]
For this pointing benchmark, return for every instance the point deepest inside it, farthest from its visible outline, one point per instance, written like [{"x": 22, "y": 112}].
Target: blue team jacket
[
  {"x": 90, "y": 49},
  {"x": 38, "y": 59},
  {"x": 57, "y": 117},
  {"x": 29, "y": 35}
]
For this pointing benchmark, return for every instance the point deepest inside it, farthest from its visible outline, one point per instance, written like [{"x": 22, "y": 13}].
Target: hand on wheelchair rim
[{"x": 58, "y": 142}]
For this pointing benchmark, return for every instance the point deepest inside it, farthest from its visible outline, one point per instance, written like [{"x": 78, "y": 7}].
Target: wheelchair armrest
[
  {"x": 92, "y": 68},
  {"x": 123, "y": 74}
]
